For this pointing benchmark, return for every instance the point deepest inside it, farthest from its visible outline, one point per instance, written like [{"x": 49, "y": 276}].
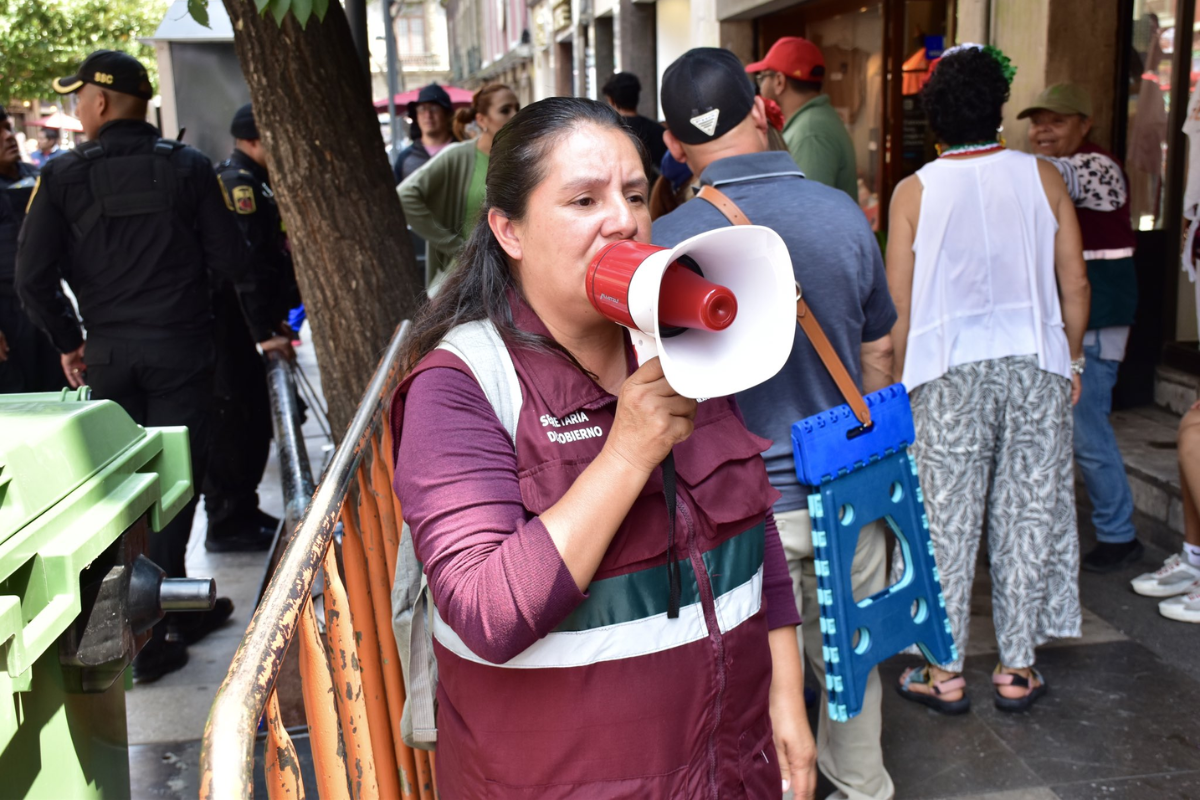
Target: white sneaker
[
  {"x": 1176, "y": 576},
  {"x": 1185, "y": 608}
]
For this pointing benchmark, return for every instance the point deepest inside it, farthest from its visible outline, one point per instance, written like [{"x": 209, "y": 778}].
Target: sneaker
[
  {"x": 192, "y": 626},
  {"x": 1185, "y": 608},
  {"x": 158, "y": 658},
  {"x": 1176, "y": 576},
  {"x": 1112, "y": 556},
  {"x": 254, "y": 539}
]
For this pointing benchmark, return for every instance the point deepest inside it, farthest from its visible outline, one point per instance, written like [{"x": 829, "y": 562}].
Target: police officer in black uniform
[
  {"x": 239, "y": 442},
  {"x": 135, "y": 223},
  {"x": 28, "y": 363}
]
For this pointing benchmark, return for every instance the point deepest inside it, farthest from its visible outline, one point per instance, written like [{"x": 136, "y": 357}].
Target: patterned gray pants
[{"x": 994, "y": 438}]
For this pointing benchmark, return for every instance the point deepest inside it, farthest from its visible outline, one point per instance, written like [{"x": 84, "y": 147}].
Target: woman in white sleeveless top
[{"x": 982, "y": 244}]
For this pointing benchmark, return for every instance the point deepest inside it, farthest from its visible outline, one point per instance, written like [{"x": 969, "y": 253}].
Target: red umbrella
[
  {"x": 61, "y": 121},
  {"x": 458, "y": 97}
]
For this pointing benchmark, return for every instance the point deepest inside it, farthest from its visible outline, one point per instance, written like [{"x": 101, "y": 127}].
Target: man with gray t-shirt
[{"x": 718, "y": 128}]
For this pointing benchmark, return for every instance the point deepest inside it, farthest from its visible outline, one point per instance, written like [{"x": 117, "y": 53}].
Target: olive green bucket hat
[{"x": 1061, "y": 98}]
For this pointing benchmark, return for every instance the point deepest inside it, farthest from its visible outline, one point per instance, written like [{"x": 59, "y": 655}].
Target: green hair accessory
[{"x": 1006, "y": 65}]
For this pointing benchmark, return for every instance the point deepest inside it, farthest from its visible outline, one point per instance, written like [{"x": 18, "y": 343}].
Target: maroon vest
[{"x": 618, "y": 701}]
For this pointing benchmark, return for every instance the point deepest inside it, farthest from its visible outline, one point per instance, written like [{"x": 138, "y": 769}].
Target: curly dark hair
[{"x": 964, "y": 97}]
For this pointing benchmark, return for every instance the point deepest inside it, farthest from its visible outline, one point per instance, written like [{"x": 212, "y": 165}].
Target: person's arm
[
  {"x": 794, "y": 745},
  {"x": 500, "y": 580},
  {"x": 877, "y": 361},
  {"x": 258, "y": 288},
  {"x": 221, "y": 243},
  {"x": 902, "y": 231},
  {"x": 651, "y": 418},
  {"x": 1093, "y": 180},
  {"x": 41, "y": 251},
  {"x": 1075, "y": 293},
  {"x": 418, "y": 190}
]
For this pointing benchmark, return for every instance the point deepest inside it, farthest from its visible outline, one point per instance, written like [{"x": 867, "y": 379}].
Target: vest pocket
[
  {"x": 758, "y": 763},
  {"x": 722, "y": 467}
]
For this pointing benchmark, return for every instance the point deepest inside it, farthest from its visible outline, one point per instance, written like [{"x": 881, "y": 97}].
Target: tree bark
[{"x": 329, "y": 171}]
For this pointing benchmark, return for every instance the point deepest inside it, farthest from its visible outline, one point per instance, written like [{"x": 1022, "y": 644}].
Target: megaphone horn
[{"x": 682, "y": 304}]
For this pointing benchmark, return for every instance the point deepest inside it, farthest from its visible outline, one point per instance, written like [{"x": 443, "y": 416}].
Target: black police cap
[
  {"x": 243, "y": 126},
  {"x": 108, "y": 69}
]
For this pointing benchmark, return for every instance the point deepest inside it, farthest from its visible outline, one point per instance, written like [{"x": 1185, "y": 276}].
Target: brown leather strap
[
  {"x": 829, "y": 357},
  {"x": 804, "y": 316},
  {"x": 726, "y": 206}
]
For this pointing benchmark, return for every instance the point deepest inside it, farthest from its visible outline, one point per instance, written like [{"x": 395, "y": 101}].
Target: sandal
[
  {"x": 1026, "y": 701},
  {"x": 933, "y": 698}
]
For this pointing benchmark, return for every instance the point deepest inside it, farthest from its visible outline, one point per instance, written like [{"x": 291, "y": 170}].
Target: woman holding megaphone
[{"x": 603, "y": 626}]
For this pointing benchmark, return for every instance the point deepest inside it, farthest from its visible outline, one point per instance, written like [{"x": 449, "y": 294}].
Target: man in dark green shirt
[{"x": 791, "y": 75}]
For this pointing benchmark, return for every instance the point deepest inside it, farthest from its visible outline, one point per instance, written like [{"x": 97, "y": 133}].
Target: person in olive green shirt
[{"x": 791, "y": 74}]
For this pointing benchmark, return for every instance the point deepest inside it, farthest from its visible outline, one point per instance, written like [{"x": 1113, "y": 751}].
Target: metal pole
[
  {"x": 294, "y": 468},
  {"x": 389, "y": 41}
]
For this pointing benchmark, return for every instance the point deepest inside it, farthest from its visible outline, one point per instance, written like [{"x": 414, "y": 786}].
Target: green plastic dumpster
[{"x": 81, "y": 488}]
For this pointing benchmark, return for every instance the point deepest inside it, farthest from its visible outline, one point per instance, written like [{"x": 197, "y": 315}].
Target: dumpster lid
[{"x": 50, "y": 443}]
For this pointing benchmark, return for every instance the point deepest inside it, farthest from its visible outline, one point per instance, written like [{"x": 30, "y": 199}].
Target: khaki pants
[{"x": 848, "y": 753}]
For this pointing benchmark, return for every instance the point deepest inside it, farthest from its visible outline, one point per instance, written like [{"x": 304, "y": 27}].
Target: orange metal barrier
[{"x": 355, "y": 739}]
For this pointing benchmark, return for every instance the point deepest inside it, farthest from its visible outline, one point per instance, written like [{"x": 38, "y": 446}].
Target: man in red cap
[{"x": 791, "y": 75}]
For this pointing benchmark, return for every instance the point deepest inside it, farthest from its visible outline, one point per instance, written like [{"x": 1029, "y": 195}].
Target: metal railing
[{"x": 356, "y": 746}]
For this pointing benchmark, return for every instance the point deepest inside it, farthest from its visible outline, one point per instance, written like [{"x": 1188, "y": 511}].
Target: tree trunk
[{"x": 329, "y": 171}]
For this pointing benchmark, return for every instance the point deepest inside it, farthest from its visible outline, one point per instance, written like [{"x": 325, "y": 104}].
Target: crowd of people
[
  {"x": 1002, "y": 302},
  {"x": 180, "y": 274}
]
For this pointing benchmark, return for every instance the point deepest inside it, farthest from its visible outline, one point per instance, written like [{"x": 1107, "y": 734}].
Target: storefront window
[
  {"x": 1152, "y": 52},
  {"x": 853, "y": 48}
]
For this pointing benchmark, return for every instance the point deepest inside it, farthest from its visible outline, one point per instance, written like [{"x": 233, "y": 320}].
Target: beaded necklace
[{"x": 978, "y": 148}]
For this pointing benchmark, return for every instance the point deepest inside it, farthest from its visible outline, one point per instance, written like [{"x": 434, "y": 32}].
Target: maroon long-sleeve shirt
[{"x": 497, "y": 577}]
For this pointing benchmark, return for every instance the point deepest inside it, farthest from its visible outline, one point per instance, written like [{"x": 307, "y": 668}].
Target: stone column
[{"x": 639, "y": 43}]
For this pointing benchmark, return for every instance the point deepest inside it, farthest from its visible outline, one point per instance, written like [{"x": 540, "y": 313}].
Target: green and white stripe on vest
[{"x": 626, "y": 616}]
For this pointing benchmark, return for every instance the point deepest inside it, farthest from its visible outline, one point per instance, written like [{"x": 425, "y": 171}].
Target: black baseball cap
[
  {"x": 705, "y": 94},
  {"x": 243, "y": 126},
  {"x": 431, "y": 94},
  {"x": 108, "y": 69}
]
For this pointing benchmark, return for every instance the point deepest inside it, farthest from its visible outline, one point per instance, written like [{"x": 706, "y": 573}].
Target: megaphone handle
[{"x": 644, "y": 346}]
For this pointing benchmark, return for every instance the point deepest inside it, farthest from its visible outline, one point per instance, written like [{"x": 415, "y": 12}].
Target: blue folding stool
[
  {"x": 864, "y": 473},
  {"x": 857, "y": 457}
]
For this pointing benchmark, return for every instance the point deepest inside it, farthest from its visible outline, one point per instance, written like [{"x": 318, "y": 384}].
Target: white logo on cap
[{"x": 707, "y": 121}]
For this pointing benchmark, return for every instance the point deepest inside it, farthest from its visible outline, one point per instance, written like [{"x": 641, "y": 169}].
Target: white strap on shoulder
[{"x": 480, "y": 347}]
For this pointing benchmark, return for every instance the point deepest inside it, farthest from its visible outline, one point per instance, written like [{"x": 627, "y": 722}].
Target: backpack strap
[
  {"x": 480, "y": 347},
  {"x": 804, "y": 316}
]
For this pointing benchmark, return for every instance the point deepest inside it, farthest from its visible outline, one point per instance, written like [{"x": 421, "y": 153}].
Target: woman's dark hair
[
  {"x": 478, "y": 285},
  {"x": 624, "y": 89},
  {"x": 964, "y": 97}
]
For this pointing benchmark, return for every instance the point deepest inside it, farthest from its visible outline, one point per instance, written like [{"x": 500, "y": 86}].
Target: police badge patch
[{"x": 243, "y": 199}]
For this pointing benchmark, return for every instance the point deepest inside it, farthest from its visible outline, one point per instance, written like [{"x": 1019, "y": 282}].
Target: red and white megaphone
[{"x": 719, "y": 309}]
